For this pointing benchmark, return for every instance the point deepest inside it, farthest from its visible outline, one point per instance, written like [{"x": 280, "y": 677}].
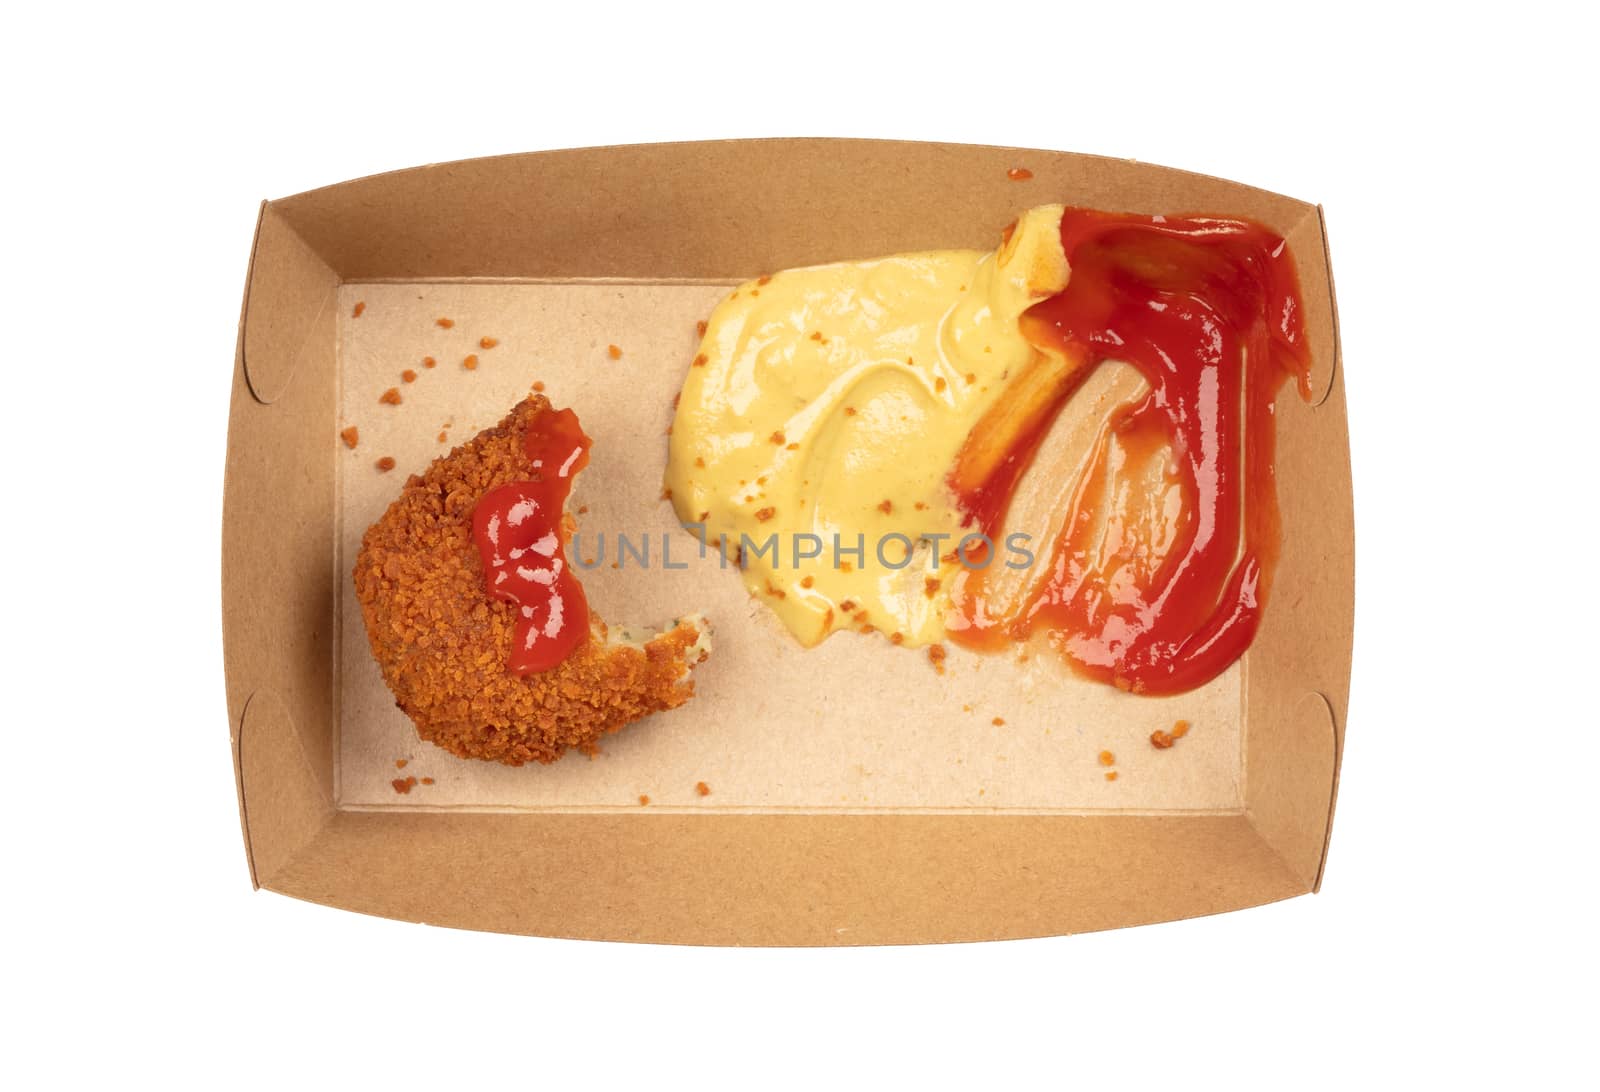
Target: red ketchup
[
  {"x": 1155, "y": 601},
  {"x": 519, "y": 532}
]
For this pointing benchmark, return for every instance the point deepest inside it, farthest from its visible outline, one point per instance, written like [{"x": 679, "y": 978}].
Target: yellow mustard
[{"x": 824, "y": 409}]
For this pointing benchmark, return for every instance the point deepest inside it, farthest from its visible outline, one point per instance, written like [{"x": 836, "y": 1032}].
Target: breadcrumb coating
[{"x": 442, "y": 642}]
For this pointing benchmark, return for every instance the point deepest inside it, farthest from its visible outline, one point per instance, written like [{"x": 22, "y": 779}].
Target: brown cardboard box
[{"x": 851, "y": 804}]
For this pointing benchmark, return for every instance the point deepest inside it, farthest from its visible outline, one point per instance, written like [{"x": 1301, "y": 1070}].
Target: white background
[{"x": 1454, "y": 935}]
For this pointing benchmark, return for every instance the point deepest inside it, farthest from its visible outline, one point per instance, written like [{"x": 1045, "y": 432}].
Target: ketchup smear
[
  {"x": 518, "y": 529},
  {"x": 1153, "y": 596}
]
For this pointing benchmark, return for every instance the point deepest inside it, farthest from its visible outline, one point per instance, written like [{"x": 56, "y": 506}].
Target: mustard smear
[{"x": 833, "y": 401}]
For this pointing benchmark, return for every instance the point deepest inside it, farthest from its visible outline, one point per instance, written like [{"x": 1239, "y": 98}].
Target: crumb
[
  {"x": 764, "y": 279},
  {"x": 614, "y": 352},
  {"x": 846, "y": 567},
  {"x": 351, "y": 436},
  {"x": 1019, "y": 174},
  {"x": 886, "y": 506},
  {"x": 444, "y": 323},
  {"x": 868, "y": 629},
  {"x": 538, "y": 386},
  {"x": 939, "y": 384},
  {"x": 700, "y": 328},
  {"x": 643, "y": 800},
  {"x": 443, "y": 436},
  {"x": 966, "y": 708},
  {"x": 359, "y": 307},
  {"x": 807, "y": 581},
  {"x": 792, "y": 447},
  {"x": 1107, "y": 758},
  {"x": 676, "y": 399},
  {"x": 930, "y": 586},
  {"x": 919, "y": 506},
  {"x": 583, "y": 509},
  {"x": 700, "y": 462},
  {"x": 998, "y": 722},
  {"x": 702, "y": 788},
  {"x": 666, "y": 492},
  {"x": 936, "y": 656},
  {"x": 776, "y": 592},
  {"x": 705, "y": 516},
  {"x": 778, "y": 438},
  {"x": 848, "y": 606},
  {"x": 408, "y": 376},
  {"x": 1161, "y": 740},
  {"x": 400, "y": 763},
  {"x": 764, "y": 514},
  {"x": 390, "y": 397},
  {"x": 488, "y": 342},
  {"x": 385, "y": 464},
  {"x": 427, "y": 780},
  {"x": 470, "y": 362},
  {"x": 1180, "y": 729},
  {"x": 816, "y": 335},
  {"x": 428, "y": 362},
  {"x": 896, "y": 637},
  {"x": 972, "y": 377},
  {"x": 1111, "y": 775},
  {"x": 849, "y": 411},
  {"x": 403, "y": 785},
  {"x": 699, "y": 361}
]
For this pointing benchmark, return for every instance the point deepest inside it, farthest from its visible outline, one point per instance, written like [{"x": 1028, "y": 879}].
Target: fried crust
[{"x": 443, "y": 644}]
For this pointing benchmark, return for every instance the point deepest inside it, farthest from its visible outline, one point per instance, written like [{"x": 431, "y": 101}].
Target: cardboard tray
[{"x": 560, "y": 252}]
